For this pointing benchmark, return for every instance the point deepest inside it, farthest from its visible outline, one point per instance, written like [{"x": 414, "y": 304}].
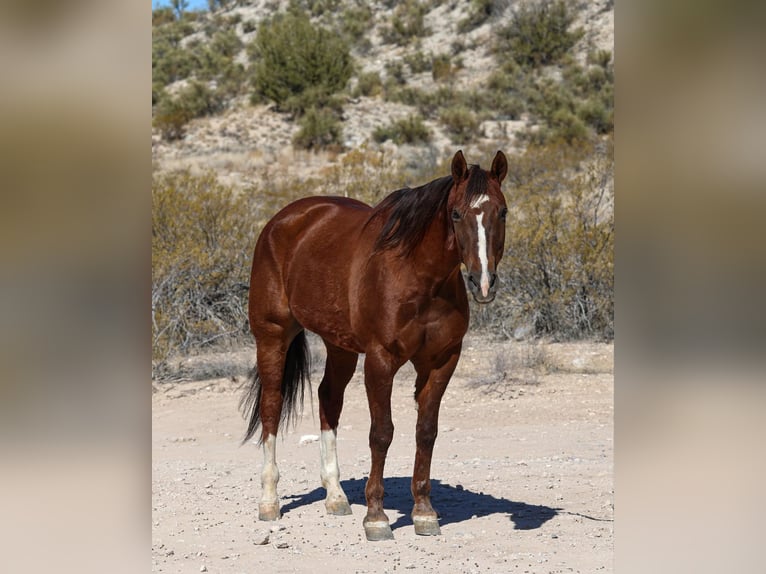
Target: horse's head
[{"x": 478, "y": 210}]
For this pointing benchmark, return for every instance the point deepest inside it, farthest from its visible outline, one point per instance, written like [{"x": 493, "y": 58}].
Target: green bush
[
  {"x": 293, "y": 59},
  {"x": 369, "y": 84},
  {"x": 479, "y": 12},
  {"x": 356, "y": 21},
  {"x": 170, "y": 62},
  {"x": 461, "y": 123},
  {"x": 410, "y": 130},
  {"x": 538, "y": 34},
  {"x": 395, "y": 72},
  {"x": 319, "y": 128},
  {"x": 162, "y": 16},
  {"x": 418, "y": 62},
  {"x": 441, "y": 67},
  {"x": 407, "y": 22},
  {"x": 173, "y": 113}
]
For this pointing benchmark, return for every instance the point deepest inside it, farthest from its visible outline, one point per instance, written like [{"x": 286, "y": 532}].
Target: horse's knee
[
  {"x": 426, "y": 435},
  {"x": 381, "y": 435}
]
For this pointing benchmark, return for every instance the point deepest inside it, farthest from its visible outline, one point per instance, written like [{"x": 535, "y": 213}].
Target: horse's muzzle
[{"x": 486, "y": 294}]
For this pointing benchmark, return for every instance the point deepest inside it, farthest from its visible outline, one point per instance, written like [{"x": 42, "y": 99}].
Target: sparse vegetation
[
  {"x": 320, "y": 128},
  {"x": 538, "y": 34},
  {"x": 559, "y": 263},
  {"x": 407, "y": 22},
  {"x": 193, "y": 101},
  {"x": 479, "y": 12},
  {"x": 410, "y": 130},
  {"x": 442, "y": 68},
  {"x": 369, "y": 84},
  {"x": 202, "y": 239},
  {"x": 461, "y": 123}
]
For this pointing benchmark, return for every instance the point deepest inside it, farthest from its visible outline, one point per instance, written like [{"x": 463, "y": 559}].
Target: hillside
[{"x": 442, "y": 65}]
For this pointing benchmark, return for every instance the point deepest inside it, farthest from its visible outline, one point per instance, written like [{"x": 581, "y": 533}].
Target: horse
[{"x": 385, "y": 281}]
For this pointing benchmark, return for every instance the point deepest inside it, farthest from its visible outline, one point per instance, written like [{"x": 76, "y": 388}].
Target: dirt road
[{"x": 522, "y": 474}]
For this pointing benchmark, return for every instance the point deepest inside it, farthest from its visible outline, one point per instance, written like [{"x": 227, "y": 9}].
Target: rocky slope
[{"x": 245, "y": 140}]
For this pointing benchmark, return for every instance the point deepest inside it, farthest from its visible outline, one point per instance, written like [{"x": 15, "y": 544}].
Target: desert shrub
[
  {"x": 319, "y": 128},
  {"x": 162, "y": 16},
  {"x": 409, "y": 130},
  {"x": 600, "y": 58},
  {"x": 355, "y": 22},
  {"x": 479, "y": 12},
  {"x": 369, "y": 84},
  {"x": 315, "y": 8},
  {"x": 418, "y": 62},
  {"x": 170, "y": 62},
  {"x": 395, "y": 72},
  {"x": 363, "y": 173},
  {"x": 559, "y": 263},
  {"x": 538, "y": 33},
  {"x": 174, "y": 112},
  {"x": 596, "y": 114},
  {"x": 215, "y": 61},
  {"x": 292, "y": 59},
  {"x": 578, "y": 106},
  {"x": 460, "y": 122},
  {"x": 214, "y": 5},
  {"x": 441, "y": 67},
  {"x": 202, "y": 240},
  {"x": 407, "y": 22}
]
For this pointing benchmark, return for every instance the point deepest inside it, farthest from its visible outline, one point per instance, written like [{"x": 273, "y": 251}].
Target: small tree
[{"x": 293, "y": 59}]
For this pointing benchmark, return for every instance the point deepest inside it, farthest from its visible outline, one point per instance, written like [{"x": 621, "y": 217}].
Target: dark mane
[{"x": 409, "y": 211}]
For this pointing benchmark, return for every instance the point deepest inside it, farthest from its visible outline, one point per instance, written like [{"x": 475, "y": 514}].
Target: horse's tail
[{"x": 294, "y": 379}]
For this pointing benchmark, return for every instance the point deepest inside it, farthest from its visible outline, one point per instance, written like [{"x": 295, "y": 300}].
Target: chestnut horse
[{"x": 384, "y": 281}]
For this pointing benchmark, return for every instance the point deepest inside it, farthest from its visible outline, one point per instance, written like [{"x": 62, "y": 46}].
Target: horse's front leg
[
  {"x": 430, "y": 386},
  {"x": 379, "y": 370}
]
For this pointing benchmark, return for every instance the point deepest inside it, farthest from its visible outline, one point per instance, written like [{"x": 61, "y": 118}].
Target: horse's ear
[
  {"x": 459, "y": 167},
  {"x": 499, "y": 166}
]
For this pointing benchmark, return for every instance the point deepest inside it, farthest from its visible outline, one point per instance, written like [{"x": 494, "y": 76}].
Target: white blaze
[
  {"x": 476, "y": 203},
  {"x": 483, "y": 256}
]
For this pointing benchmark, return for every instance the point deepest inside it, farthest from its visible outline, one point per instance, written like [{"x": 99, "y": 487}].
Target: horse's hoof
[
  {"x": 338, "y": 507},
  {"x": 426, "y": 525},
  {"x": 268, "y": 511},
  {"x": 376, "y": 531}
]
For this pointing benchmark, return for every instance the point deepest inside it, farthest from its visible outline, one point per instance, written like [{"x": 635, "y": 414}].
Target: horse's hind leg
[
  {"x": 282, "y": 366},
  {"x": 430, "y": 386},
  {"x": 271, "y": 361},
  {"x": 339, "y": 369}
]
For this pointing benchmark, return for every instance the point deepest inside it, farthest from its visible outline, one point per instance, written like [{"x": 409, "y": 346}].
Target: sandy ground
[{"x": 521, "y": 475}]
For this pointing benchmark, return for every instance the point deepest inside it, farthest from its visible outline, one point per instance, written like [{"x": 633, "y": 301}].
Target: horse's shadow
[{"x": 454, "y": 503}]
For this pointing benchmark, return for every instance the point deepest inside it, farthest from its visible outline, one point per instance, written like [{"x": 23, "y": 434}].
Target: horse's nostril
[{"x": 492, "y": 279}]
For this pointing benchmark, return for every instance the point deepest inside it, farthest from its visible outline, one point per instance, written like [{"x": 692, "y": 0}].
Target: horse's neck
[{"x": 438, "y": 253}]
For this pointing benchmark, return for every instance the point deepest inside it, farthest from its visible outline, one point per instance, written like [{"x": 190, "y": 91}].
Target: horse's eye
[
  {"x": 503, "y": 213},
  {"x": 455, "y": 215}
]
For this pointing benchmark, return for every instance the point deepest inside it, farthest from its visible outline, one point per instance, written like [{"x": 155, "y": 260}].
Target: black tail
[{"x": 294, "y": 379}]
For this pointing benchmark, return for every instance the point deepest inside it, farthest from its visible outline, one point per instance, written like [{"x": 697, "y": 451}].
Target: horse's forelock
[{"x": 478, "y": 185}]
